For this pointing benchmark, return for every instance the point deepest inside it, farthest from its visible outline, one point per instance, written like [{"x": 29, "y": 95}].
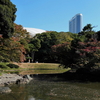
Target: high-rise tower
[{"x": 75, "y": 24}]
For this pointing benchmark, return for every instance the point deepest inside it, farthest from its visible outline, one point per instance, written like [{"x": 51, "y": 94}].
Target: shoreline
[{"x": 9, "y": 79}]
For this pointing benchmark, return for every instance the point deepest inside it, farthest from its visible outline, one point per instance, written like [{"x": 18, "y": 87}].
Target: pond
[{"x": 53, "y": 90}]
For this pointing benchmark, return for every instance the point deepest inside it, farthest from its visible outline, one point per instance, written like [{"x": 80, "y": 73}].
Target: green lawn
[{"x": 37, "y": 68}]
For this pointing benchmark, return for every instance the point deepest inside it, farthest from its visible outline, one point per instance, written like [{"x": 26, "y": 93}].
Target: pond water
[{"x": 54, "y": 90}]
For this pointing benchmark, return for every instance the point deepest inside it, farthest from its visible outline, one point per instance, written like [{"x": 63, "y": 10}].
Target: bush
[
  {"x": 13, "y": 66},
  {"x": 3, "y": 65}
]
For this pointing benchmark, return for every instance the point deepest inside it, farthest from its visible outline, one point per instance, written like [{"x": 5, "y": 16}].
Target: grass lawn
[{"x": 38, "y": 68}]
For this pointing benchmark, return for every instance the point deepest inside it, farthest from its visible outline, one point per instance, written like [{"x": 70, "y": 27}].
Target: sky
[{"x": 54, "y": 15}]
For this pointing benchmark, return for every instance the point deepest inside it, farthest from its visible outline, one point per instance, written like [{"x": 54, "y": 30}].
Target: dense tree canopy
[
  {"x": 7, "y": 18},
  {"x": 15, "y": 47},
  {"x": 11, "y": 50},
  {"x": 82, "y": 52},
  {"x": 22, "y": 35},
  {"x": 47, "y": 39}
]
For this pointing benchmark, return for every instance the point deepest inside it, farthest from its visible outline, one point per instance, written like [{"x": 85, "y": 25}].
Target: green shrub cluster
[
  {"x": 3, "y": 65},
  {"x": 12, "y": 66}
]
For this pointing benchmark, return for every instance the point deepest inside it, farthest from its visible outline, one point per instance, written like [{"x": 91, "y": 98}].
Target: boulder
[
  {"x": 27, "y": 77},
  {"x": 5, "y": 90}
]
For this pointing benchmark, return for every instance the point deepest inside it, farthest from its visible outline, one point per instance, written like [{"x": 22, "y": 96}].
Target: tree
[
  {"x": 78, "y": 53},
  {"x": 16, "y": 47},
  {"x": 7, "y": 18},
  {"x": 89, "y": 53},
  {"x": 87, "y": 33},
  {"x": 88, "y": 27},
  {"x": 47, "y": 39},
  {"x": 97, "y": 35},
  {"x": 11, "y": 50},
  {"x": 64, "y": 37},
  {"x": 66, "y": 54},
  {"x": 22, "y": 35},
  {"x": 34, "y": 45}
]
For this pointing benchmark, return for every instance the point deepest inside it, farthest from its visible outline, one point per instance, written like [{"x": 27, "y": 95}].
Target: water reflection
[
  {"x": 53, "y": 90},
  {"x": 31, "y": 98}
]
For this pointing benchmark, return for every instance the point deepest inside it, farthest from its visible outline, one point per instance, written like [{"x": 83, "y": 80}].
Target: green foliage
[
  {"x": 24, "y": 42},
  {"x": 7, "y": 18},
  {"x": 79, "y": 54},
  {"x": 14, "y": 49},
  {"x": 87, "y": 33},
  {"x": 65, "y": 54},
  {"x": 3, "y": 65},
  {"x": 10, "y": 50},
  {"x": 88, "y": 27},
  {"x": 12, "y": 66},
  {"x": 34, "y": 44},
  {"x": 47, "y": 40},
  {"x": 64, "y": 37}
]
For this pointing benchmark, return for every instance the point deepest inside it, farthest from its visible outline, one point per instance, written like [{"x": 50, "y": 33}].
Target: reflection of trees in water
[
  {"x": 20, "y": 93},
  {"x": 54, "y": 90}
]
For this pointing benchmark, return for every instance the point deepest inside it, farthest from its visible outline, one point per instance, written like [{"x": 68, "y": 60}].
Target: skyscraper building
[{"x": 75, "y": 24}]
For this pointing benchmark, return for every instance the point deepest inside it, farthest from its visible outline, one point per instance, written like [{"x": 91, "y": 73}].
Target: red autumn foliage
[{"x": 89, "y": 46}]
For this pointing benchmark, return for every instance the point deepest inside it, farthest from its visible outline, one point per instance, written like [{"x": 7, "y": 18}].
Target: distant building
[{"x": 75, "y": 24}]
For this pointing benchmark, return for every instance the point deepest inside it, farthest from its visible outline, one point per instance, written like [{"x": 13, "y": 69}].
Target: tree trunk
[{"x": 33, "y": 53}]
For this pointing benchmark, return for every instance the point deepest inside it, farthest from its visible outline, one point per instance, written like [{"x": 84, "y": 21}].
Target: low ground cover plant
[{"x": 12, "y": 66}]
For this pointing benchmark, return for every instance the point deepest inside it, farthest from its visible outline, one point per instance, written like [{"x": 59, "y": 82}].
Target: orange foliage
[{"x": 13, "y": 44}]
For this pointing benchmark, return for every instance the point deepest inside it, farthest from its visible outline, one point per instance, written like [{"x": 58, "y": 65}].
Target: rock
[
  {"x": 5, "y": 90},
  {"x": 8, "y": 79},
  {"x": 26, "y": 79},
  {"x": 21, "y": 81},
  {"x": 27, "y": 76}
]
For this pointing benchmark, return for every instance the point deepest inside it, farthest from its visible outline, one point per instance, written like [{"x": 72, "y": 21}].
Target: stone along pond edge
[{"x": 9, "y": 79}]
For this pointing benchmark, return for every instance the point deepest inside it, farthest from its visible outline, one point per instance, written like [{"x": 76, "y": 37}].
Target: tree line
[{"x": 69, "y": 49}]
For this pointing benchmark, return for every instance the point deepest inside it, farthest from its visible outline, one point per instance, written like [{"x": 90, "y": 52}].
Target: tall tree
[
  {"x": 34, "y": 45},
  {"x": 88, "y": 27},
  {"x": 7, "y": 18},
  {"x": 47, "y": 39},
  {"x": 22, "y": 35},
  {"x": 87, "y": 33},
  {"x": 11, "y": 50},
  {"x": 20, "y": 32}
]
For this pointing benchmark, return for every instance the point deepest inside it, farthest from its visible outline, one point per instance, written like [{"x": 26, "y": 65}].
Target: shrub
[
  {"x": 13, "y": 66},
  {"x": 3, "y": 65}
]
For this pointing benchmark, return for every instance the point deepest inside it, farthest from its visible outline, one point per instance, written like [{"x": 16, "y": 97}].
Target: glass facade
[{"x": 75, "y": 24}]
